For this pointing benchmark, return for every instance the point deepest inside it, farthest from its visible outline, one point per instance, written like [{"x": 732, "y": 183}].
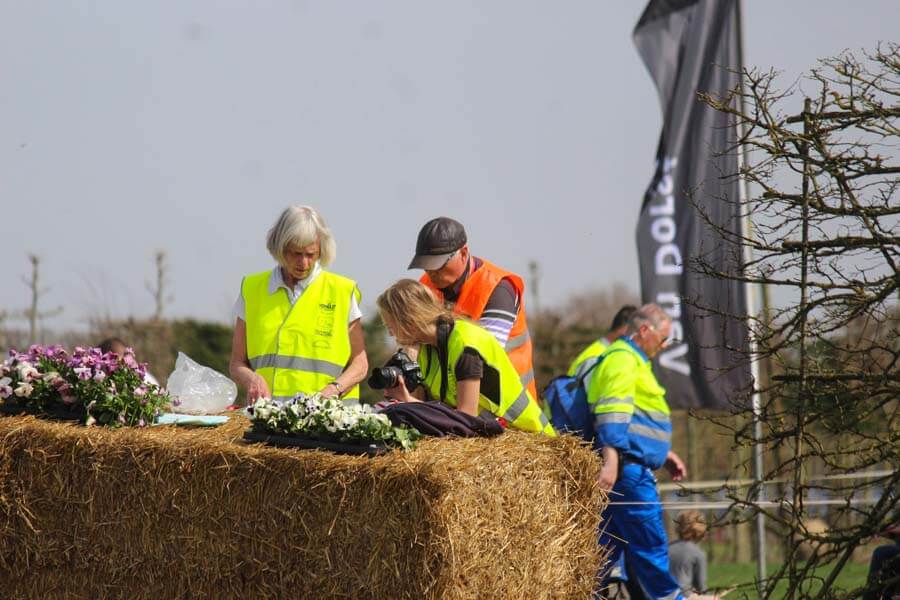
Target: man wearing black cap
[{"x": 477, "y": 289}]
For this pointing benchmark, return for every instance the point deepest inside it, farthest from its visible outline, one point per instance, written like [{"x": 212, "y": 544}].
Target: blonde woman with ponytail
[{"x": 462, "y": 364}]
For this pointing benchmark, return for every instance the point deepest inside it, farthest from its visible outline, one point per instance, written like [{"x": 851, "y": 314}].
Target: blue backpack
[{"x": 566, "y": 397}]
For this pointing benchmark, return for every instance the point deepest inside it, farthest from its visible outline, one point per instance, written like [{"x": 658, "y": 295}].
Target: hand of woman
[
  {"x": 399, "y": 392},
  {"x": 257, "y": 388},
  {"x": 330, "y": 391}
]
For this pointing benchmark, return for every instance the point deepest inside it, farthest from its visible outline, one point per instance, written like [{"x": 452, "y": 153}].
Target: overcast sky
[{"x": 187, "y": 126}]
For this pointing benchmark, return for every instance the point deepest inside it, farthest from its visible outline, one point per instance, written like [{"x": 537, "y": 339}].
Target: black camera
[{"x": 397, "y": 365}]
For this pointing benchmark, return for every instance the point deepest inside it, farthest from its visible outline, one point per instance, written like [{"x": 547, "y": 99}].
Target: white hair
[
  {"x": 301, "y": 226},
  {"x": 648, "y": 313}
]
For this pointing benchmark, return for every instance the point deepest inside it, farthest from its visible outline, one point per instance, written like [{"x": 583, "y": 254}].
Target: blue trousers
[{"x": 637, "y": 532}]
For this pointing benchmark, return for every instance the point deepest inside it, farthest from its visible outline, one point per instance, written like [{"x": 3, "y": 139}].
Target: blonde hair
[
  {"x": 413, "y": 309},
  {"x": 691, "y": 525},
  {"x": 300, "y": 226}
]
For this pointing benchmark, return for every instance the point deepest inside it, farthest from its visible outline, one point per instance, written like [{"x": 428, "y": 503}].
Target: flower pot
[
  {"x": 57, "y": 413},
  {"x": 308, "y": 443}
]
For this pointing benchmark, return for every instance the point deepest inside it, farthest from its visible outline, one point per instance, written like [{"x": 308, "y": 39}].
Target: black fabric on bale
[{"x": 437, "y": 419}]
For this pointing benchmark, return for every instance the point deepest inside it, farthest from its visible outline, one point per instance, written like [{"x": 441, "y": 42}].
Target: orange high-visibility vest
[{"x": 473, "y": 297}]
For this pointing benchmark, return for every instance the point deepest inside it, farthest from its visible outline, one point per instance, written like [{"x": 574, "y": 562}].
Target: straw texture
[{"x": 174, "y": 513}]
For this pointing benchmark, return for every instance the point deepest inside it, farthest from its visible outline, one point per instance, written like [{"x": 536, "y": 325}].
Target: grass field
[{"x": 728, "y": 575}]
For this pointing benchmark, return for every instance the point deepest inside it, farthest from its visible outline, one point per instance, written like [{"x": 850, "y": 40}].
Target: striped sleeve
[
  {"x": 610, "y": 395},
  {"x": 500, "y": 312}
]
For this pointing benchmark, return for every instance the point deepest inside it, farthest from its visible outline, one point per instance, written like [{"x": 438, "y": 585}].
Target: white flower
[
  {"x": 99, "y": 376},
  {"x": 5, "y": 387},
  {"x": 84, "y": 373},
  {"x": 50, "y": 377},
  {"x": 24, "y": 390},
  {"x": 27, "y": 372}
]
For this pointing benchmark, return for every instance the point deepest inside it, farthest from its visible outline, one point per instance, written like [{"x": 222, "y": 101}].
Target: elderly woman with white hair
[{"x": 297, "y": 327}]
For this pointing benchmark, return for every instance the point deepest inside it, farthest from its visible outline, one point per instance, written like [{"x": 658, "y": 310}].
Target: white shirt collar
[{"x": 276, "y": 280}]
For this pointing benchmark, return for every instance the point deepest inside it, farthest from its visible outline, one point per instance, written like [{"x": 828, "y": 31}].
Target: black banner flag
[{"x": 692, "y": 46}]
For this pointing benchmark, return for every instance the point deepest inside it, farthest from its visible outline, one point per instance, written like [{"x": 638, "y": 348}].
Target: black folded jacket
[{"x": 437, "y": 419}]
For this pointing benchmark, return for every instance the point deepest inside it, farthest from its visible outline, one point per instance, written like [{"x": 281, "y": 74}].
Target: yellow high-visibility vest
[
  {"x": 516, "y": 405},
  {"x": 300, "y": 347},
  {"x": 629, "y": 405},
  {"x": 581, "y": 362}
]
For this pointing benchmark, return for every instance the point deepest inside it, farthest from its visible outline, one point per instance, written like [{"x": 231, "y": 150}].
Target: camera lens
[{"x": 384, "y": 377}]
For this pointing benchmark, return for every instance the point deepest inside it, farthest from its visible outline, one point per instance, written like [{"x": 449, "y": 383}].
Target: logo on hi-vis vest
[{"x": 324, "y": 326}]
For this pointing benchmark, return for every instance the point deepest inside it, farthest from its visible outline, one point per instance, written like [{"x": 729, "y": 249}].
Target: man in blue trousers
[{"x": 634, "y": 436}]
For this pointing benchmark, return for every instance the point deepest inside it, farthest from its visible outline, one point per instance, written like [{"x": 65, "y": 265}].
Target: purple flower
[
  {"x": 141, "y": 422},
  {"x": 121, "y": 418},
  {"x": 5, "y": 387},
  {"x": 130, "y": 362}
]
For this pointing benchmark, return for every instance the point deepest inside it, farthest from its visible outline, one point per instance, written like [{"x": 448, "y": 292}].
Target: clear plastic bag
[{"x": 200, "y": 390}]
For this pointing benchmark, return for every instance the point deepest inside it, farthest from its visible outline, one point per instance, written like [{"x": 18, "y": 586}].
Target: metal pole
[{"x": 750, "y": 292}]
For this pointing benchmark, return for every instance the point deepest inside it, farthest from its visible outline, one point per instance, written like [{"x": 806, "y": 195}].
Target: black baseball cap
[{"x": 438, "y": 239}]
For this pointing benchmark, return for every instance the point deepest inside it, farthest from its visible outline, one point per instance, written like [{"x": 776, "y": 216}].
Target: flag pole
[{"x": 750, "y": 294}]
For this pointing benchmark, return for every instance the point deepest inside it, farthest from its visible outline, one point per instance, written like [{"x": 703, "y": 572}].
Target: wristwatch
[{"x": 340, "y": 388}]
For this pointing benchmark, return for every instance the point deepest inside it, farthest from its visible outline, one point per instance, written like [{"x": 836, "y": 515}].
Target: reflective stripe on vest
[
  {"x": 473, "y": 297},
  {"x": 517, "y": 407},
  {"x": 300, "y": 347},
  {"x": 297, "y": 363},
  {"x": 629, "y": 405}
]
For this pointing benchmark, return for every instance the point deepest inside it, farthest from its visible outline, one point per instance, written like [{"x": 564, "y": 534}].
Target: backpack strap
[{"x": 581, "y": 378}]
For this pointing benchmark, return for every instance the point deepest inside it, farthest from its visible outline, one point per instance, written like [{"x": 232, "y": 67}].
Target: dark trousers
[{"x": 885, "y": 565}]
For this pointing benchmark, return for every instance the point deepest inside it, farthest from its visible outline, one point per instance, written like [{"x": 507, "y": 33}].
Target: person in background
[
  {"x": 120, "y": 348},
  {"x": 462, "y": 364},
  {"x": 633, "y": 433},
  {"x": 297, "y": 327},
  {"x": 616, "y": 330},
  {"x": 885, "y": 565},
  {"x": 475, "y": 288},
  {"x": 687, "y": 560}
]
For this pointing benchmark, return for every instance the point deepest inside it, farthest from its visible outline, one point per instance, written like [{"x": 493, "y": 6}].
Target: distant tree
[
  {"x": 32, "y": 314},
  {"x": 825, "y": 208},
  {"x": 206, "y": 342},
  {"x": 158, "y": 288}
]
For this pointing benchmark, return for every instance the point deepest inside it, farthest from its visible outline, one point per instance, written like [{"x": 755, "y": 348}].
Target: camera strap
[{"x": 443, "y": 351}]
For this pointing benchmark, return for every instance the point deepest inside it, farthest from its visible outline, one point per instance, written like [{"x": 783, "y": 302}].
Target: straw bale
[{"x": 174, "y": 513}]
